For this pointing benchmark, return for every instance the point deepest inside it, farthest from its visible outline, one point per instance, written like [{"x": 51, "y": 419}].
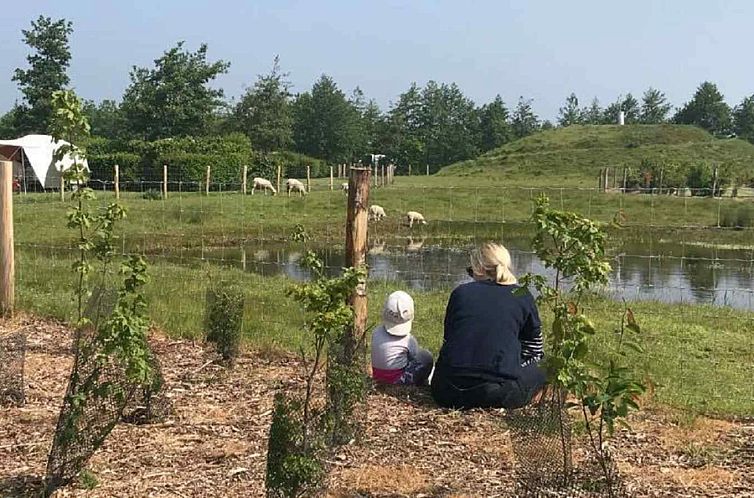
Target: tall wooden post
[
  {"x": 62, "y": 186},
  {"x": 428, "y": 170},
  {"x": 164, "y": 181},
  {"x": 382, "y": 174},
  {"x": 714, "y": 182},
  {"x": 206, "y": 180},
  {"x": 409, "y": 169},
  {"x": 331, "y": 178},
  {"x": 7, "y": 265},
  {"x": 662, "y": 175},
  {"x": 243, "y": 179},
  {"x": 116, "y": 182},
  {"x": 625, "y": 179},
  {"x": 308, "y": 178},
  {"x": 280, "y": 174}
]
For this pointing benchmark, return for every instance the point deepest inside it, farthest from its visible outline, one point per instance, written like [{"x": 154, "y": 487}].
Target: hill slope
[{"x": 573, "y": 156}]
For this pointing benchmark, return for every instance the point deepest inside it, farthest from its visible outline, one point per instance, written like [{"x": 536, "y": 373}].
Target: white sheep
[
  {"x": 376, "y": 212},
  {"x": 415, "y": 217},
  {"x": 264, "y": 185},
  {"x": 293, "y": 185},
  {"x": 414, "y": 245},
  {"x": 344, "y": 187}
]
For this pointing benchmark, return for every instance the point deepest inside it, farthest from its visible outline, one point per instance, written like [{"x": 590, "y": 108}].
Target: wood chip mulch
[{"x": 214, "y": 441}]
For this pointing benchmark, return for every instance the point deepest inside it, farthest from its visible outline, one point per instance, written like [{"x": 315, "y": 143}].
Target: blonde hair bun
[{"x": 493, "y": 262}]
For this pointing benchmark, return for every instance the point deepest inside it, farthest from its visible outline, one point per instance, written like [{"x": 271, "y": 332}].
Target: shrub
[
  {"x": 102, "y": 166},
  {"x": 152, "y": 195},
  {"x": 294, "y": 464},
  {"x": 224, "y": 319},
  {"x": 738, "y": 217}
]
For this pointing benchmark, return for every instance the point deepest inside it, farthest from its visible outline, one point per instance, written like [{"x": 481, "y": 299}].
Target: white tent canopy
[{"x": 37, "y": 152}]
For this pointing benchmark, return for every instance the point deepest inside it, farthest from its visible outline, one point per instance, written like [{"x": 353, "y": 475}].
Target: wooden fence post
[
  {"x": 625, "y": 179},
  {"x": 206, "y": 181},
  {"x": 356, "y": 250},
  {"x": 280, "y": 173},
  {"x": 164, "y": 181},
  {"x": 7, "y": 268},
  {"x": 62, "y": 186},
  {"x": 243, "y": 179},
  {"x": 428, "y": 170},
  {"x": 409, "y": 169},
  {"x": 331, "y": 178},
  {"x": 308, "y": 178},
  {"x": 116, "y": 182},
  {"x": 382, "y": 175},
  {"x": 714, "y": 182}
]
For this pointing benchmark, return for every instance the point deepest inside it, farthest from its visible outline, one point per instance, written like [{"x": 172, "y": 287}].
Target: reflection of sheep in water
[
  {"x": 293, "y": 185},
  {"x": 378, "y": 247},
  {"x": 414, "y": 245},
  {"x": 344, "y": 187},
  {"x": 376, "y": 212},
  {"x": 264, "y": 185},
  {"x": 415, "y": 217}
]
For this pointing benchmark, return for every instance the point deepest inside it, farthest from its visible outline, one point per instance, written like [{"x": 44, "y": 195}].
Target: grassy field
[{"x": 573, "y": 156}]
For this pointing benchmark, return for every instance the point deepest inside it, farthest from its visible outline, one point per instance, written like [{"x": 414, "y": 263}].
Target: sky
[{"x": 542, "y": 50}]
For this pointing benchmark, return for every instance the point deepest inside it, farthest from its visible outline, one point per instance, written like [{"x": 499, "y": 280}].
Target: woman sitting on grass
[{"x": 492, "y": 340}]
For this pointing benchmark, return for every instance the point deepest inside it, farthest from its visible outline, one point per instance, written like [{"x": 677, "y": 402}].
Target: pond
[{"x": 667, "y": 271}]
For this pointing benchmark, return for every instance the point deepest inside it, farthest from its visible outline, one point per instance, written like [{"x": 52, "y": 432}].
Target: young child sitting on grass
[{"x": 396, "y": 355}]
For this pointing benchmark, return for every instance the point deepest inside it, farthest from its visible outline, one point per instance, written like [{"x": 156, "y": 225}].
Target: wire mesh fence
[{"x": 12, "y": 363}]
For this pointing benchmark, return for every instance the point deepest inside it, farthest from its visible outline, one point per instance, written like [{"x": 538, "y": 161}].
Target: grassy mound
[{"x": 573, "y": 156}]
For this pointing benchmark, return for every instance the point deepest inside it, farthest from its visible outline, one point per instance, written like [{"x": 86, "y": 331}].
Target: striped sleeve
[{"x": 532, "y": 350}]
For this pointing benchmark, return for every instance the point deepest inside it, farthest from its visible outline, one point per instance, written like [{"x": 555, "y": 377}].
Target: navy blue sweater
[{"x": 489, "y": 332}]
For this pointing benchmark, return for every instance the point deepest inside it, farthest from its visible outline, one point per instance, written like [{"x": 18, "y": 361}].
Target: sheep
[
  {"x": 376, "y": 212},
  {"x": 264, "y": 185},
  {"x": 414, "y": 245},
  {"x": 293, "y": 185},
  {"x": 344, "y": 187},
  {"x": 415, "y": 217}
]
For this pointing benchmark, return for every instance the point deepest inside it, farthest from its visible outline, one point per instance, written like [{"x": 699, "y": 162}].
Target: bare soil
[{"x": 214, "y": 441}]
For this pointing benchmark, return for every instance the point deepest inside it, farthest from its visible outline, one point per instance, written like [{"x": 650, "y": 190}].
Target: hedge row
[{"x": 188, "y": 157}]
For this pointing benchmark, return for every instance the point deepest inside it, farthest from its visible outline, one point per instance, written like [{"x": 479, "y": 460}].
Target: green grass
[
  {"x": 698, "y": 357},
  {"x": 573, "y": 156}
]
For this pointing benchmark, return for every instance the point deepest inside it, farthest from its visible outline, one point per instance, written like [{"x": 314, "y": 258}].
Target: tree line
[{"x": 435, "y": 124}]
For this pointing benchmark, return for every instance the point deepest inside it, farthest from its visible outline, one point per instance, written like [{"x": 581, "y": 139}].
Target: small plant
[
  {"x": 152, "y": 195},
  {"x": 88, "y": 480},
  {"x": 112, "y": 353},
  {"x": 604, "y": 389},
  {"x": 299, "y": 430},
  {"x": 224, "y": 320}
]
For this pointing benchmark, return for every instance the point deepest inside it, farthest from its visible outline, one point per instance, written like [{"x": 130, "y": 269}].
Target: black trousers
[{"x": 464, "y": 391}]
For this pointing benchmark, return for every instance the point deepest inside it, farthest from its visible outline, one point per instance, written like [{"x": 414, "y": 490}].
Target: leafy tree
[
  {"x": 707, "y": 110},
  {"x": 371, "y": 119},
  {"x": 401, "y": 136},
  {"x": 173, "y": 98},
  {"x": 324, "y": 122},
  {"x": 592, "y": 114},
  {"x": 46, "y": 74},
  {"x": 449, "y": 124},
  {"x": 570, "y": 114},
  {"x": 524, "y": 122},
  {"x": 743, "y": 119},
  {"x": 654, "y": 107},
  {"x": 495, "y": 127},
  {"x": 630, "y": 107},
  {"x": 264, "y": 111},
  {"x": 105, "y": 118}
]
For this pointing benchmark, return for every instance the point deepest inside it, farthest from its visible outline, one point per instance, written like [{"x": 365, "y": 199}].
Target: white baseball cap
[{"x": 398, "y": 313}]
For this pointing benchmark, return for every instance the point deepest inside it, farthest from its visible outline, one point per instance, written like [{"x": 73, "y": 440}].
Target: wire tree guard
[
  {"x": 12, "y": 360},
  {"x": 543, "y": 446}
]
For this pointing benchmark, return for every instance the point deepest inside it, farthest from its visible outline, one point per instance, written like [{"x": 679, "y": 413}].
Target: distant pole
[
  {"x": 243, "y": 179},
  {"x": 331, "y": 178},
  {"x": 280, "y": 173},
  {"x": 714, "y": 182},
  {"x": 428, "y": 170},
  {"x": 164, "y": 181},
  {"x": 116, "y": 181},
  {"x": 625, "y": 179},
  {"x": 308, "y": 178},
  {"x": 382, "y": 174},
  {"x": 62, "y": 186},
  {"x": 409, "y": 169},
  {"x": 662, "y": 175},
  {"x": 7, "y": 268},
  {"x": 206, "y": 181}
]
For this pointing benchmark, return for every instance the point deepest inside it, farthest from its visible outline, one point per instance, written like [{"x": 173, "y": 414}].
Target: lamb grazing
[
  {"x": 264, "y": 185},
  {"x": 376, "y": 212},
  {"x": 293, "y": 185},
  {"x": 344, "y": 187},
  {"x": 415, "y": 217}
]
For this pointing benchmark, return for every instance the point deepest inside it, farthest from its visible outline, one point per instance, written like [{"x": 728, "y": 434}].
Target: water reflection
[{"x": 668, "y": 272}]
